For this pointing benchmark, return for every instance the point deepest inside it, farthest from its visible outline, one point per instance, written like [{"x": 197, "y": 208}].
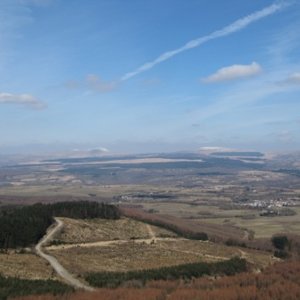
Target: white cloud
[
  {"x": 234, "y": 72},
  {"x": 227, "y": 30},
  {"x": 22, "y": 99}
]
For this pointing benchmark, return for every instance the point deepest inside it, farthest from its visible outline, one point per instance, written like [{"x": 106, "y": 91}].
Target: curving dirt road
[{"x": 60, "y": 270}]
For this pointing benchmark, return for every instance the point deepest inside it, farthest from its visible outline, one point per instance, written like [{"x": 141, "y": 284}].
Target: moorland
[{"x": 172, "y": 225}]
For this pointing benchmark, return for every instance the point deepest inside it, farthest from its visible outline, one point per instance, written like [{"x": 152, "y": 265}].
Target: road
[{"x": 60, "y": 270}]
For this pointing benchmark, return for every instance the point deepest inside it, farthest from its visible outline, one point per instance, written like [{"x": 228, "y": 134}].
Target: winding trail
[
  {"x": 114, "y": 242},
  {"x": 71, "y": 280},
  {"x": 60, "y": 270}
]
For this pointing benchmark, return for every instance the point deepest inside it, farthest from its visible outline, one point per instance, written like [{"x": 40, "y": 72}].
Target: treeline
[
  {"x": 25, "y": 226},
  {"x": 83, "y": 210},
  {"x": 187, "y": 228},
  {"x": 13, "y": 287},
  {"x": 185, "y": 271},
  {"x": 192, "y": 235},
  {"x": 157, "y": 221}
]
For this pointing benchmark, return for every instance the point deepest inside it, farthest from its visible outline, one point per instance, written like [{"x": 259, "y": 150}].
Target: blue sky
[{"x": 142, "y": 76}]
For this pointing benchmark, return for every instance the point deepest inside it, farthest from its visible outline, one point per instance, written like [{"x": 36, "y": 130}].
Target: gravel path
[{"x": 60, "y": 270}]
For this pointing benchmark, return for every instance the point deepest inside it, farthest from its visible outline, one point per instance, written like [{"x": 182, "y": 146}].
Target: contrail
[{"x": 233, "y": 27}]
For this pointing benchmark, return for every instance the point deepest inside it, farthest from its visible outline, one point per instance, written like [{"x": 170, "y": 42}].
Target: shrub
[{"x": 280, "y": 242}]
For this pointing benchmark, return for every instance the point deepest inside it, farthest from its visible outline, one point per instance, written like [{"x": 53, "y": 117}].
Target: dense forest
[
  {"x": 12, "y": 287},
  {"x": 25, "y": 226},
  {"x": 185, "y": 271}
]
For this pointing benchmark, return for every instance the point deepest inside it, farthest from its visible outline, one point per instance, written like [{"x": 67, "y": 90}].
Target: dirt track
[
  {"x": 114, "y": 242},
  {"x": 60, "y": 270}
]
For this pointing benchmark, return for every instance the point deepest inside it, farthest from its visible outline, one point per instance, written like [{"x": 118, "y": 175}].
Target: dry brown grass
[
  {"x": 86, "y": 231},
  {"x": 134, "y": 255},
  {"x": 25, "y": 266},
  {"x": 126, "y": 254},
  {"x": 122, "y": 257}
]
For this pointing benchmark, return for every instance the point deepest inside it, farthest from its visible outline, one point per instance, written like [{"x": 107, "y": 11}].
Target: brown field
[
  {"x": 113, "y": 249},
  {"x": 76, "y": 190},
  {"x": 25, "y": 266},
  {"x": 136, "y": 256},
  {"x": 95, "y": 230},
  {"x": 263, "y": 227},
  {"x": 243, "y": 219}
]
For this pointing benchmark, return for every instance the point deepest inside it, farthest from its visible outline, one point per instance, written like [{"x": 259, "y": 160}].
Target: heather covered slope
[{"x": 278, "y": 282}]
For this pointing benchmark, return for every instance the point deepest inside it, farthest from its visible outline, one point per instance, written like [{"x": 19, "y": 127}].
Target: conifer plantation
[{"x": 25, "y": 226}]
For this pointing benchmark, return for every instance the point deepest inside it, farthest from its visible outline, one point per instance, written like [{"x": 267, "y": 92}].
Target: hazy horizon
[{"x": 151, "y": 148}]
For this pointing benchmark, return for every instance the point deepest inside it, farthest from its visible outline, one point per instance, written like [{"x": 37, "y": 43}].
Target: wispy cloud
[
  {"x": 240, "y": 96},
  {"x": 26, "y": 100},
  {"x": 92, "y": 82},
  {"x": 244, "y": 94},
  {"x": 232, "y": 28},
  {"x": 293, "y": 79},
  {"x": 234, "y": 72}
]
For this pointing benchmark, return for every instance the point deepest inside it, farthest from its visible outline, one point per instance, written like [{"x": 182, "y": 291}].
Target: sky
[{"x": 148, "y": 76}]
